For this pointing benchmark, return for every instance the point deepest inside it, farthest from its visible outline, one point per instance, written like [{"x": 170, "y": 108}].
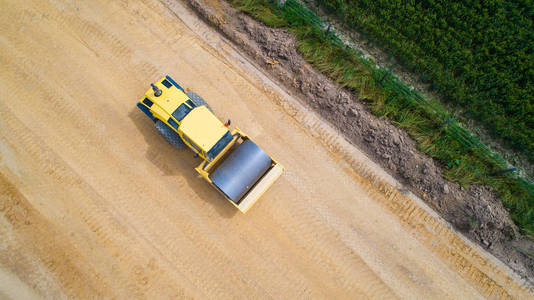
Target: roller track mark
[
  {"x": 94, "y": 35},
  {"x": 451, "y": 248},
  {"x": 66, "y": 111},
  {"x": 376, "y": 287},
  {"x": 292, "y": 283},
  {"x": 70, "y": 112},
  {"x": 91, "y": 213},
  {"x": 231, "y": 257},
  {"x": 207, "y": 249},
  {"x": 211, "y": 251},
  {"x": 32, "y": 229},
  {"x": 308, "y": 228},
  {"x": 28, "y": 269},
  {"x": 301, "y": 283},
  {"x": 48, "y": 165},
  {"x": 141, "y": 284},
  {"x": 152, "y": 12},
  {"x": 86, "y": 32}
]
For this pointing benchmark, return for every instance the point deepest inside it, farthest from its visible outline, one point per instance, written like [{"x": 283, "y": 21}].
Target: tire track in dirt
[
  {"x": 97, "y": 221},
  {"x": 335, "y": 258},
  {"x": 87, "y": 32},
  {"x": 31, "y": 228}
]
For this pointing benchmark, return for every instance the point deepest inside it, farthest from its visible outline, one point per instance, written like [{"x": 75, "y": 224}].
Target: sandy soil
[{"x": 94, "y": 204}]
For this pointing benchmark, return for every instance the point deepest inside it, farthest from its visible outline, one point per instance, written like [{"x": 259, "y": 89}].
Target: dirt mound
[{"x": 476, "y": 211}]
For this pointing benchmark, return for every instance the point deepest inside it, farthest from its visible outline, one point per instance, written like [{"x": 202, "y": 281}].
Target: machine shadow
[{"x": 173, "y": 162}]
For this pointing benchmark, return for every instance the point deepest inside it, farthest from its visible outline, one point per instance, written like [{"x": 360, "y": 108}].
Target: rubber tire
[
  {"x": 197, "y": 100},
  {"x": 170, "y": 135}
]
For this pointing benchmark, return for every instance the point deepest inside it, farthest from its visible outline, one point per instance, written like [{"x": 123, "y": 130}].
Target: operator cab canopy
[{"x": 203, "y": 128}]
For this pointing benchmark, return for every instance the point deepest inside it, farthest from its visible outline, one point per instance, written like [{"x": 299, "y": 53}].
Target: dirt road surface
[{"x": 94, "y": 204}]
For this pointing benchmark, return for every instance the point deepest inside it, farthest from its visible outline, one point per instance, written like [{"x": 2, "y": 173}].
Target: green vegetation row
[
  {"x": 478, "y": 54},
  {"x": 462, "y": 157}
]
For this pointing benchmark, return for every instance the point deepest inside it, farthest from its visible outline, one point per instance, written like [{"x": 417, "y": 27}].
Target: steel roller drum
[{"x": 238, "y": 173}]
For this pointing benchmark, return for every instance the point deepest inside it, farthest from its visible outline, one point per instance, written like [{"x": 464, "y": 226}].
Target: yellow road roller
[{"x": 231, "y": 162}]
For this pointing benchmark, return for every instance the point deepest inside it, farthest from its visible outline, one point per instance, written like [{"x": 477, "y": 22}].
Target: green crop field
[{"x": 478, "y": 54}]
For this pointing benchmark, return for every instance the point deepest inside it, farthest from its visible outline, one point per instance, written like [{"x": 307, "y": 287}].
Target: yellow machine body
[
  {"x": 202, "y": 131},
  {"x": 203, "y": 127}
]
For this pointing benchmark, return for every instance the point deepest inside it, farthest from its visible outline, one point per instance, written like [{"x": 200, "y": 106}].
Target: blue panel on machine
[
  {"x": 145, "y": 110},
  {"x": 238, "y": 173},
  {"x": 174, "y": 83}
]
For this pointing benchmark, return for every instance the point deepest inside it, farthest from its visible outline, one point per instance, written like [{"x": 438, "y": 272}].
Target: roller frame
[{"x": 257, "y": 190}]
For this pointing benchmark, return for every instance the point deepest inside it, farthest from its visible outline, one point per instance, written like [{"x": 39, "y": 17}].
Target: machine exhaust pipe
[{"x": 157, "y": 91}]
